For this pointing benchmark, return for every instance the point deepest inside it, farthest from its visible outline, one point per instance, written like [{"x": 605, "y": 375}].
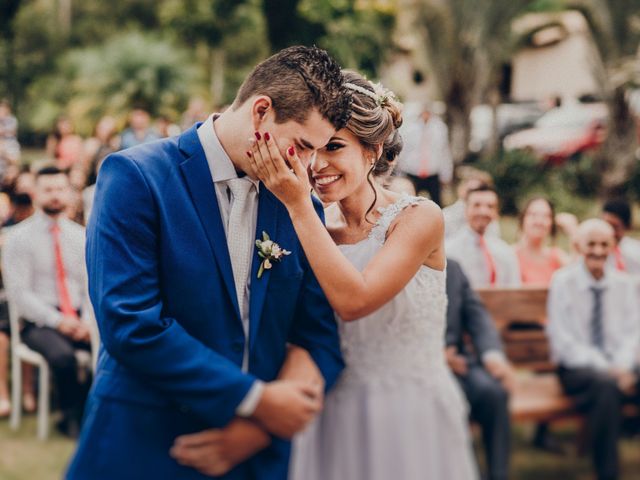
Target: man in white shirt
[
  {"x": 45, "y": 277},
  {"x": 486, "y": 260},
  {"x": 454, "y": 216},
  {"x": 594, "y": 333},
  {"x": 426, "y": 157},
  {"x": 625, "y": 255}
]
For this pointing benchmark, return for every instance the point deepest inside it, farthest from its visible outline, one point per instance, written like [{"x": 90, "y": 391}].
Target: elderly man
[
  {"x": 594, "y": 331},
  {"x": 487, "y": 261}
]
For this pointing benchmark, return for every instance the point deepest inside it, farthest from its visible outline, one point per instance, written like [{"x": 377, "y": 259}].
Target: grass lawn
[{"x": 23, "y": 457}]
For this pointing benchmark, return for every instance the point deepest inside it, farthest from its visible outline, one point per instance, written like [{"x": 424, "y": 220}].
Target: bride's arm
[{"x": 415, "y": 238}]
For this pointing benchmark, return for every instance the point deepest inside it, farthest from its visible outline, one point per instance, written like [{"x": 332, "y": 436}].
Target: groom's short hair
[{"x": 298, "y": 79}]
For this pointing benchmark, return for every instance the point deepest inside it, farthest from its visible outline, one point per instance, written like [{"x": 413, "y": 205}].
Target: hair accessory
[{"x": 380, "y": 94}]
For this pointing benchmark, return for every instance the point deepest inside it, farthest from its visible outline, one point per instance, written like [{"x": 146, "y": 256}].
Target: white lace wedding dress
[{"x": 396, "y": 412}]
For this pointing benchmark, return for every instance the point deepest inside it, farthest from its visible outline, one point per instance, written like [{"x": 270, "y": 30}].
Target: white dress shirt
[
  {"x": 438, "y": 153},
  {"x": 569, "y": 309},
  {"x": 464, "y": 247},
  {"x": 630, "y": 250},
  {"x": 454, "y": 220},
  {"x": 29, "y": 268},
  {"x": 222, "y": 170}
]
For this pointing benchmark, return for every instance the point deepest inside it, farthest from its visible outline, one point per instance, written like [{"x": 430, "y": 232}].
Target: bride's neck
[{"x": 354, "y": 207}]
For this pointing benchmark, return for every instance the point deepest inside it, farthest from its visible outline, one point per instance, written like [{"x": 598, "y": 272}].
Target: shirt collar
[
  {"x": 46, "y": 220},
  {"x": 220, "y": 165},
  {"x": 586, "y": 280}
]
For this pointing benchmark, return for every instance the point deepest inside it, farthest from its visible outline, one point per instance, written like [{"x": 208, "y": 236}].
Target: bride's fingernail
[
  {"x": 267, "y": 137},
  {"x": 257, "y": 134},
  {"x": 291, "y": 151}
]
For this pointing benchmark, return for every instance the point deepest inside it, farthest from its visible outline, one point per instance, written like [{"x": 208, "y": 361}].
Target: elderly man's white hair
[{"x": 591, "y": 225}]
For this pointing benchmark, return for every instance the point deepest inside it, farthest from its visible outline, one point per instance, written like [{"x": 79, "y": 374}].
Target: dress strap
[{"x": 388, "y": 215}]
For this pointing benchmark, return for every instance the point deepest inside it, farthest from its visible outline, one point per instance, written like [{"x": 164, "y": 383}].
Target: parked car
[
  {"x": 512, "y": 117},
  {"x": 563, "y": 131}
]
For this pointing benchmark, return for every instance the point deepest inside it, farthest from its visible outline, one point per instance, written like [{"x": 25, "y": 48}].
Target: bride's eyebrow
[{"x": 333, "y": 139}]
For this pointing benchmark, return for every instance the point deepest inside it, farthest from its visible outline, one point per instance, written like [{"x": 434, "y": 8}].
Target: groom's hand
[
  {"x": 287, "y": 406},
  {"x": 216, "y": 451}
]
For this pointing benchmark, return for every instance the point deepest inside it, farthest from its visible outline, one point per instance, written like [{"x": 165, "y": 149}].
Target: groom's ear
[{"x": 261, "y": 109}]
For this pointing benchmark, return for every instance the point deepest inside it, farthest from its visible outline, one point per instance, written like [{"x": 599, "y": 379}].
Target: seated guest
[
  {"x": 594, "y": 333},
  {"x": 625, "y": 256},
  {"x": 44, "y": 274},
  {"x": 487, "y": 261},
  {"x": 537, "y": 257},
  {"x": 484, "y": 374},
  {"x": 454, "y": 217}
]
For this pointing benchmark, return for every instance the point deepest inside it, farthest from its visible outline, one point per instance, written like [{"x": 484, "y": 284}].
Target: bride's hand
[
  {"x": 216, "y": 451},
  {"x": 290, "y": 184}
]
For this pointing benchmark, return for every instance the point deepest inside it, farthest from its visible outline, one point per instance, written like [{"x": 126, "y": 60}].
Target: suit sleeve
[
  {"x": 477, "y": 320},
  {"x": 314, "y": 326},
  {"x": 124, "y": 285}
]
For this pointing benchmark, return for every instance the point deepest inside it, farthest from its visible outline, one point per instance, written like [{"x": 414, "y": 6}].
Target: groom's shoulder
[{"x": 157, "y": 158}]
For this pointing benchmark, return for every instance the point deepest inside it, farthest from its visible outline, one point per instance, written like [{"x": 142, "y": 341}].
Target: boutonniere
[{"x": 270, "y": 252}]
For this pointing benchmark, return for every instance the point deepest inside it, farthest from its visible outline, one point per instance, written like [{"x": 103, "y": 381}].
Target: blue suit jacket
[{"x": 162, "y": 287}]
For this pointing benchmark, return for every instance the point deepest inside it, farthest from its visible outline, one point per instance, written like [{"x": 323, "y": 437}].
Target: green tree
[
  {"x": 358, "y": 33},
  {"x": 131, "y": 69},
  {"x": 9, "y": 9},
  {"x": 224, "y": 33}
]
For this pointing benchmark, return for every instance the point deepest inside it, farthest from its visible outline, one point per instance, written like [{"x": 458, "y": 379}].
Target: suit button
[
  {"x": 237, "y": 347},
  {"x": 184, "y": 409}
]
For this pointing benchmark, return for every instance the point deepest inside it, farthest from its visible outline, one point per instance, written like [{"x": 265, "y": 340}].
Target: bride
[{"x": 396, "y": 412}]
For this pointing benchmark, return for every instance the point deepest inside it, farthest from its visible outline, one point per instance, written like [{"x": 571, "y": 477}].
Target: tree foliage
[{"x": 128, "y": 70}]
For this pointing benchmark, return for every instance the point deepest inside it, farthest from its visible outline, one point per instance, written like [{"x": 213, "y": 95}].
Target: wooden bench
[{"x": 520, "y": 316}]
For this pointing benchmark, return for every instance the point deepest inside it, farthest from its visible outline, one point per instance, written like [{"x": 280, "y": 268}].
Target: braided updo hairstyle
[{"x": 375, "y": 120}]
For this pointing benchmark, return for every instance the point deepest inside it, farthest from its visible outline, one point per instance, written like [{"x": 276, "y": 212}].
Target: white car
[{"x": 563, "y": 131}]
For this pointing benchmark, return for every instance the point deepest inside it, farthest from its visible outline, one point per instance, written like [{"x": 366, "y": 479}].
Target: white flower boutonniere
[{"x": 270, "y": 252}]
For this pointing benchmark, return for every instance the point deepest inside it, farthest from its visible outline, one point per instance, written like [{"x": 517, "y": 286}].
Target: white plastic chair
[{"x": 22, "y": 353}]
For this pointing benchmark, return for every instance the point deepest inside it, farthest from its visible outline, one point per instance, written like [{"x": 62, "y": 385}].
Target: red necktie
[
  {"x": 619, "y": 260},
  {"x": 423, "y": 170},
  {"x": 64, "y": 300},
  {"x": 490, "y": 263}
]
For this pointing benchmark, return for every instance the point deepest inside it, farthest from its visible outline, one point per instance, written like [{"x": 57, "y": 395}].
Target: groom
[{"x": 194, "y": 338}]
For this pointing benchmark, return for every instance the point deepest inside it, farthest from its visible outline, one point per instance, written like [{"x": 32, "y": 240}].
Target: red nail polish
[
  {"x": 248, "y": 153},
  {"x": 291, "y": 151},
  {"x": 267, "y": 137},
  {"x": 257, "y": 134}
]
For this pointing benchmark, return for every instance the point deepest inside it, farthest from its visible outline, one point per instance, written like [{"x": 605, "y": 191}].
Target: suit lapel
[
  {"x": 195, "y": 170},
  {"x": 268, "y": 208}
]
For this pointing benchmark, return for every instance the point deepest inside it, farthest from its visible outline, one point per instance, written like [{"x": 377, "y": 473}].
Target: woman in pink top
[{"x": 537, "y": 256}]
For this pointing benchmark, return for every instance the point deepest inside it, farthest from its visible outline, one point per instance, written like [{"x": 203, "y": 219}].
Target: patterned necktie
[
  {"x": 239, "y": 235},
  {"x": 597, "y": 332},
  {"x": 491, "y": 266},
  {"x": 619, "y": 260},
  {"x": 64, "y": 299}
]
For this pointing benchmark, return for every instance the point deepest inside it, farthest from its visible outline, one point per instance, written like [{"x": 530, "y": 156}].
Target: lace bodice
[{"x": 405, "y": 337}]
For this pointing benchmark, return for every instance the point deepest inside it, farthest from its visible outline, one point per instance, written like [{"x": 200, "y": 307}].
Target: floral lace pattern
[{"x": 404, "y": 339}]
